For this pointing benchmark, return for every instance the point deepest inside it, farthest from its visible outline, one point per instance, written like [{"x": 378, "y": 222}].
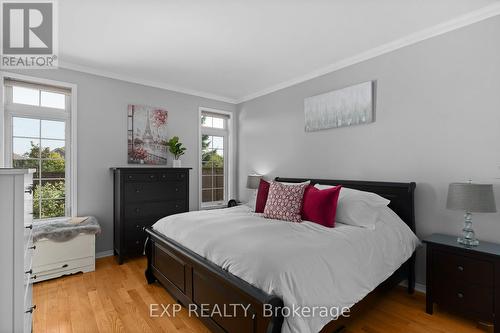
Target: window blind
[
  {"x": 25, "y": 84},
  {"x": 215, "y": 115}
]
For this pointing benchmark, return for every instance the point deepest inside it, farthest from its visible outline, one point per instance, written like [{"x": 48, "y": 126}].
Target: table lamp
[
  {"x": 470, "y": 198},
  {"x": 253, "y": 181}
]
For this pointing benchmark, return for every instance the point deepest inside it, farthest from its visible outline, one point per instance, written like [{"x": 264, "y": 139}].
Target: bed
[{"x": 233, "y": 256}]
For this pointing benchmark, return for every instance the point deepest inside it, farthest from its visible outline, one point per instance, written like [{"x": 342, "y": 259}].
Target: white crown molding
[
  {"x": 448, "y": 26},
  {"x": 144, "y": 82},
  {"x": 437, "y": 30}
]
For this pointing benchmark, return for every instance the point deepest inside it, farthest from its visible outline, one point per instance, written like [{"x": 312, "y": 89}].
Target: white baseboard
[
  {"x": 418, "y": 286},
  {"x": 103, "y": 254}
]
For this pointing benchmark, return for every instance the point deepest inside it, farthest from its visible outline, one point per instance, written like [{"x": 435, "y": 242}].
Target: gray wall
[
  {"x": 102, "y": 136},
  {"x": 437, "y": 121}
]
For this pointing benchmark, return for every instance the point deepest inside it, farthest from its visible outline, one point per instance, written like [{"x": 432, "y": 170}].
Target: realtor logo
[{"x": 28, "y": 34}]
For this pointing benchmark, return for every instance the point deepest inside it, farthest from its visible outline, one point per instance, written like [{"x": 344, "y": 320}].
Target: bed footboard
[{"x": 224, "y": 302}]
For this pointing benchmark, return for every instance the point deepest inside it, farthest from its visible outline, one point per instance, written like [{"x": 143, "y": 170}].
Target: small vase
[{"x": 177, "y": 164}]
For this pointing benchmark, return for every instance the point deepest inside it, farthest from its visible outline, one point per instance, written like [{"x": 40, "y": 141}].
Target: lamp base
[
  {"x": 468, "y": 237},
  {"x": 468, "y": 242}
]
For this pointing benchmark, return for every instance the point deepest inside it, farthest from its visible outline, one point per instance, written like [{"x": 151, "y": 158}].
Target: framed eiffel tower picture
[{"x": 147, "y": 135}]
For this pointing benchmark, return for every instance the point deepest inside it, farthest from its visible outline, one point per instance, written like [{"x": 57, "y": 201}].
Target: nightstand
[{"x": 464, "y": 279}]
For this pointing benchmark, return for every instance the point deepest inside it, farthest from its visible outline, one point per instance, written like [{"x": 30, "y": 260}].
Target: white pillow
[
  {"x": 370, "y": 198},
  {"x": 357, "y": 213},
  {"x": 357, "y": 208}
]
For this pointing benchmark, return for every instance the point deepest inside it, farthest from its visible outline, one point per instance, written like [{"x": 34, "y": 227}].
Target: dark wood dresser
[
  {"x": 141, "y": 197},
  {"x": 464, "y": 279}
]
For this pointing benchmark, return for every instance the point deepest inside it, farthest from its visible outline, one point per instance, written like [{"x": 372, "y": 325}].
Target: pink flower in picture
[
  {"x": 159, "y": 118},
  {"x": 139, "y": 154}
]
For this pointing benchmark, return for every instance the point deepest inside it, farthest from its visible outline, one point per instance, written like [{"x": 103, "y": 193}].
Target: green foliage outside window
[
  {"x": 49, "y": 184},
  {"x": 49, "y": 207},
  {"x": 209, "y": 157}
]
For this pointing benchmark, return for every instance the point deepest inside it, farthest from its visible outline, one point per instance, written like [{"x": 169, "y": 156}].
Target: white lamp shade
[
  {"x": 472, "y": 198},
  {"x": 253, "y": 181}
]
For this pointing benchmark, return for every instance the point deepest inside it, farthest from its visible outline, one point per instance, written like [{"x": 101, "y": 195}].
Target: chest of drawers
[
  {"x": 16, "y": 250},
  {"x": 141, "y": 197}
]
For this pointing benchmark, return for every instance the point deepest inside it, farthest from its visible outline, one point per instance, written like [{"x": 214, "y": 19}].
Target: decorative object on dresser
[
  {"x": 464, "y": 279},
  {"x": 141, "y": 197},
  {"x": 64, "y": 247},
  {"x": 175, "y": 147},
  {"x": 146, "y": 135},
  {"x": 16, "y": 250},
  {"x": 470, "y": 198}
]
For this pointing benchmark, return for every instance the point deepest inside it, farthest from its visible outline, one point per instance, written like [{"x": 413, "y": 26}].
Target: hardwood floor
[{"x": 116, "y": 299}]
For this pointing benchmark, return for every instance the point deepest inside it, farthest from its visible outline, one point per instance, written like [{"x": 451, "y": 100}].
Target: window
[
  {"x": 214, "y": 158},
  {"x": 38, "y": 136}
]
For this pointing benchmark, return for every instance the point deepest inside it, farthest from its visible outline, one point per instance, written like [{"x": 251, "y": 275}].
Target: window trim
[
  {"x": 228, "y": 160},
  {"x": 20, "y": 110}
]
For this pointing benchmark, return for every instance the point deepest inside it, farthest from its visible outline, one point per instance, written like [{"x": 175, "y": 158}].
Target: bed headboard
[{"x": 400, "y": 194}]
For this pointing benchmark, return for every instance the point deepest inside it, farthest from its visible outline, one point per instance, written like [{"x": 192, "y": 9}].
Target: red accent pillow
[
  {"x": 284, "y": 202},
  {"x": 262, "y": 193},
  {"x": 320, "y": 206}
]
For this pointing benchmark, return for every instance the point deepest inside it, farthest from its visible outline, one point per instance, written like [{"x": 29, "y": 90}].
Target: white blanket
[{"x": 304, "y": 263}]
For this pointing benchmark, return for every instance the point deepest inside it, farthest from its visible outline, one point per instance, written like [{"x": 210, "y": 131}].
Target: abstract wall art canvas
[
  {"x": 349, "y": 106},
  {"x": 147, "y": 135}
]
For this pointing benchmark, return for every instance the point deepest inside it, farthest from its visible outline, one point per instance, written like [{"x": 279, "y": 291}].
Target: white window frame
[
  {"x": 229, "y": 145},
  {"x": 9, "y": 110}
]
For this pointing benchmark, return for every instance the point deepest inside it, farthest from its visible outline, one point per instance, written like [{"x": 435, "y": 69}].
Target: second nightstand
[{"x": 464, "y": 279}]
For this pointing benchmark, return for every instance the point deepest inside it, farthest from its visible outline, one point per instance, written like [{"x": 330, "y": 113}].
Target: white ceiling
[{"x": 234, "y": 49}]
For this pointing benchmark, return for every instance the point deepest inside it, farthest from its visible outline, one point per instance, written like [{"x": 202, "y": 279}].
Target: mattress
[{"x": 305, "y": 264}]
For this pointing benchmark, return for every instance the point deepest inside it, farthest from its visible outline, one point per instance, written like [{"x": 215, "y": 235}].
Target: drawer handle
[
  {"x": 29, "y": 272},
  {"x": 29, "y": 226},
  {"x": 30, "y": 310},
  {"x": 137, "y": 242},
  {"x": 130, "y": 177},
  {"x": 32, "y": 247},
  {"x": 137, "y": 190},
  {"x": 151, "y": 176},
  {"x": 460, "y": 268},
  {"x": 53, "y": 269},
  {"x": 163, "y": 176},
  {"x": 176, "y": 189},
  {"x": 33, "y": 277},
  {"x": 176, "y": 206},
  {"x": 137, "y": 210},
  {"x": 182, "y": 175},
  {"x": 460, "y": 295}
]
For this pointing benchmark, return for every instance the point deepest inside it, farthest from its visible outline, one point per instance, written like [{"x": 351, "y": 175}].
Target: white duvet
[{"x": 304, "y": 263}]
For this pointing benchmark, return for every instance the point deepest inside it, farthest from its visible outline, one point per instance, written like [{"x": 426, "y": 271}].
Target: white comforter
[{"x": 303, "y": 263}]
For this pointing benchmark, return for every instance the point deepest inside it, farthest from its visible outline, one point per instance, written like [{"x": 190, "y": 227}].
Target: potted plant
[{"x": 175, "y": 147}]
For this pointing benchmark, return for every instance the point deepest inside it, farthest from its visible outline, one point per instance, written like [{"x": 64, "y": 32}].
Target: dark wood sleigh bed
[{"x": 193, "y": 280}]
